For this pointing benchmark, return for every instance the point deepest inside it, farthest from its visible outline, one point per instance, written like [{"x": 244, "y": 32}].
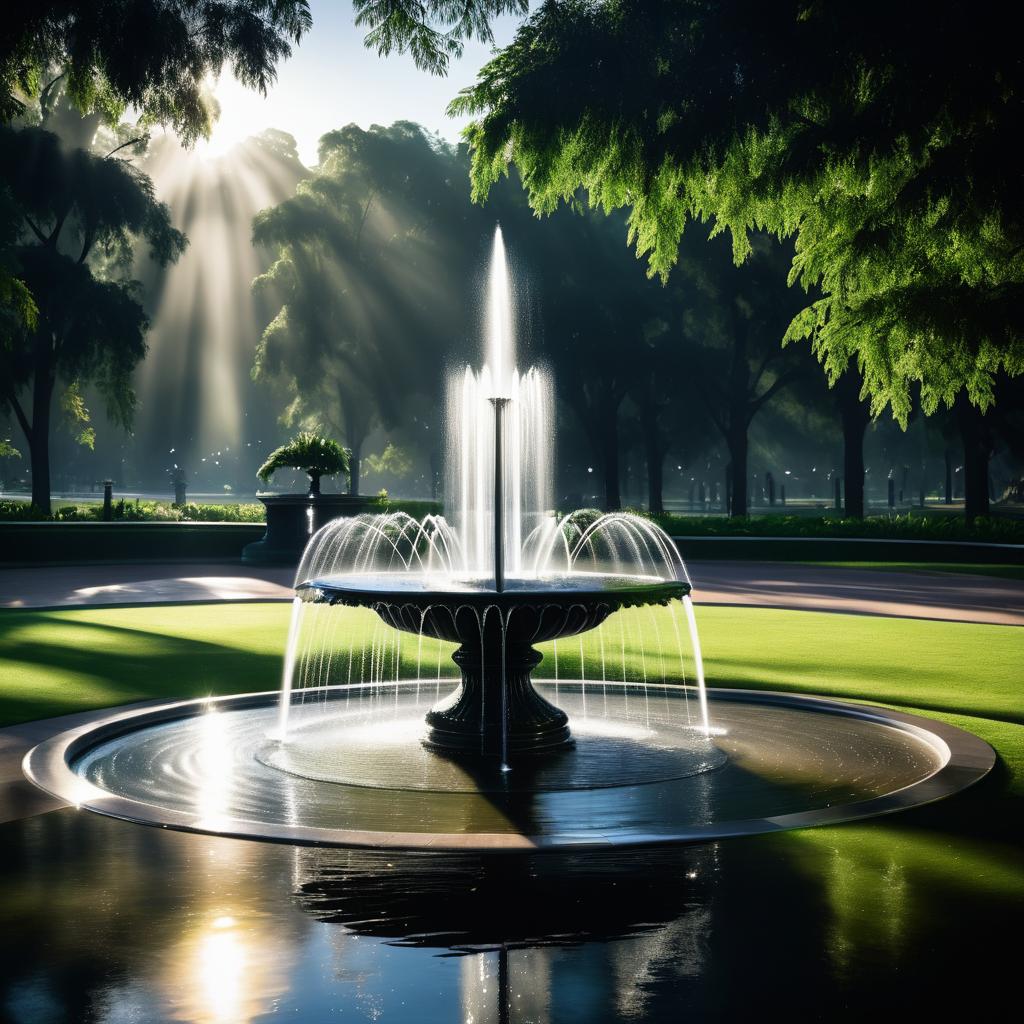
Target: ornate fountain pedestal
[
  {"x": 495, "y": 713},
  {"x": 493, "y": 692}
]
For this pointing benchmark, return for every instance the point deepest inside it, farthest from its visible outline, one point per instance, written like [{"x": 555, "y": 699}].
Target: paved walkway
[{"x": 920, "y": 595}]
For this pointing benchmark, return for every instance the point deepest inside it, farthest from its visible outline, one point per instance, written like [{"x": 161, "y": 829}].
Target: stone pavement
[{"x": 921, "y": 595}]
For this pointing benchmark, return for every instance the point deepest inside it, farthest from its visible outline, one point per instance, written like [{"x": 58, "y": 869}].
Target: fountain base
[{"x": 496, "y": 712}]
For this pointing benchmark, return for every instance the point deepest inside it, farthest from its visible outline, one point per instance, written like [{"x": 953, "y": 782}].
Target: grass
[
  {"x": 1005, "y": 572},
  {"x": 55, "y": 662}
]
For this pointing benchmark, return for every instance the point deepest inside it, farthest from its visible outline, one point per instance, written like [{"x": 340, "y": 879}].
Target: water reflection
[
  {"x": 108, "y": 922},
  {"x": 640, "y": 917}
]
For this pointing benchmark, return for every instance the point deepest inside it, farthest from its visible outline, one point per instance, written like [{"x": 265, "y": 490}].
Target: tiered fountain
[
  {"x": 372, "y": 741},
  {"x": 505, "y": 574}
]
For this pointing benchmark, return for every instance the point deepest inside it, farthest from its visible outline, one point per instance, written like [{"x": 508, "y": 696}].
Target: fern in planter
[{"x": 317, "y": 456}]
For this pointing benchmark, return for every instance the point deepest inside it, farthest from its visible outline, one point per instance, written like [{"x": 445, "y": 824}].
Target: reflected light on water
[
  {"x": 220, "y": 973},
  {"x": 215, "y": 767}
]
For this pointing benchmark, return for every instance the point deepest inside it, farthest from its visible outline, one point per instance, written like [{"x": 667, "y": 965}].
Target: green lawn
[{"x": 53, "y": 662}]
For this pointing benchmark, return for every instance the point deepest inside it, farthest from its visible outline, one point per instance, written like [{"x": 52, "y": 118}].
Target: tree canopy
[
  {"x": 153, "y": 55},
  {"x": 368, "y": 278},
  {"x": 872, "y": 134},
  {"x": 432, "y": 31}
]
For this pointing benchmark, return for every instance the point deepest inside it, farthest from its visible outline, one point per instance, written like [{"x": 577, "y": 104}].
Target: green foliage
[
  {"x": 76, "y": 415},
  {"x": 151, "y": 55},
  {"x": 75, "y": 211},
  {"x": 873, "y": 135},
  {"x": 412, "y": 507},
  {"x": 895, "y": 527},
  {"x": 394, "y": 460},
  {"x": 7, "y": 450},
  {"x": 370, "y": 264},
  {"x": 315, "y": 455},
  {"x": 433, "y": 31},
  {"x": 136, "y": 511}
]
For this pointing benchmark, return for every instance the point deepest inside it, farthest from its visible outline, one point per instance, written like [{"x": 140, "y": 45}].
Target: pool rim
[{"x": 966, "y": 759}]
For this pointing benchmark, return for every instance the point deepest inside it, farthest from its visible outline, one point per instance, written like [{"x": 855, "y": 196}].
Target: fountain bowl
[{"x": 495, "y": 712}]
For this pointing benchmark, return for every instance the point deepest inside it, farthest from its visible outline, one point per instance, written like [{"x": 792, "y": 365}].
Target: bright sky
[{"x": 332, "y": 80}]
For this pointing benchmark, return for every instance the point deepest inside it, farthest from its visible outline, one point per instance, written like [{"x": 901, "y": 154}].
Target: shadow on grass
[{"x": 132, "y": 664}]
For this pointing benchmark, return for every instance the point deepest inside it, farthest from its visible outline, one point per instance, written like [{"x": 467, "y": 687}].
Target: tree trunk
[
  {"x": 39, "y": 439},
  {"x": 977, "y": 451},
  {"x": 610, "y": 459},
  {"x": 736, "y": 440},
  {"x": 855, "y": 416},
  {"x": 949, "y": 476},
  {"x": 355, "y": 435},
  {"x": 656, "y": 482},
  {"x": 354, "y": 461},
  {"x": 655, "y": 454}
]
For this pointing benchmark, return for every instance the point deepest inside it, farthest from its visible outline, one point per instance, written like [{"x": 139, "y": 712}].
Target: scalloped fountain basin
[{"x": 496, "y": 712}]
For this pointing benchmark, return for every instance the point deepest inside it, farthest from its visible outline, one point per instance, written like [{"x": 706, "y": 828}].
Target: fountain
[
  {"x": 617, "y": 743},
  {"x": 504, "y": 575}
]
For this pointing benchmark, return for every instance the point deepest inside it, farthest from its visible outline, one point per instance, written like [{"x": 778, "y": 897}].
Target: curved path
[{"x": 958, "y": 597}]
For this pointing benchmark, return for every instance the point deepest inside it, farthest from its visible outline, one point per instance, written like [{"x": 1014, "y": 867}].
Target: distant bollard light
[{"x": 108, "y": 497}]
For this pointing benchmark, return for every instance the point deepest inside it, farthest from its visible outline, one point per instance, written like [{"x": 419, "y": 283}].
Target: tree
[
  {"x": 433, "y": 31},
  {"x": 75, "y": 207},
  {"x": 871, "y": 134},
  {"x": 596, "y": 306},
  {"x": 371, "y": 277},
  {"x": 733, "y": 320},
  {"x": 104, "y": 56},
  {"x": 152, "y": 55},
  {"x": 854, "y": 417}
]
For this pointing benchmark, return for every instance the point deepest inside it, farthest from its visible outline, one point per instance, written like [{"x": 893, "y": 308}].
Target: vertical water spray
[
  {"x": 698, "y": 660},
  {"x": 287, "y": 675},
  {"x": 500, "y": 352},
  {"x": 522, "y": 431},
  {"x": 504, "y": 576}
]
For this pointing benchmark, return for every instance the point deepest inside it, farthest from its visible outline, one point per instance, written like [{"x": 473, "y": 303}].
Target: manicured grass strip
[{"x": 1006, "y": 572}]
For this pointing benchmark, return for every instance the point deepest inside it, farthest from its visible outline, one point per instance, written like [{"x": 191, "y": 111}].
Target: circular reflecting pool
[{"x": 352, "y": 772}]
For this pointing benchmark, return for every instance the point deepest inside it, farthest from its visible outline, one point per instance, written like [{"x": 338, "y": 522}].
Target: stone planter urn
[
  {"x": 288, "y": 530},
  {"x": 293, "y": 518}
]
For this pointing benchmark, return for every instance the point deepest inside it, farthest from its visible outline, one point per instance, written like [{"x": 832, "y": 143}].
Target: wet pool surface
[{"x": 103, "y": 920}]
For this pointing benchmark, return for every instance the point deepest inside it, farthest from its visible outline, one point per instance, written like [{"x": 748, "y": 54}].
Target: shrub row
[
  {"x": 895, "y": 527},
  {"x": 141, "y": 511}
]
